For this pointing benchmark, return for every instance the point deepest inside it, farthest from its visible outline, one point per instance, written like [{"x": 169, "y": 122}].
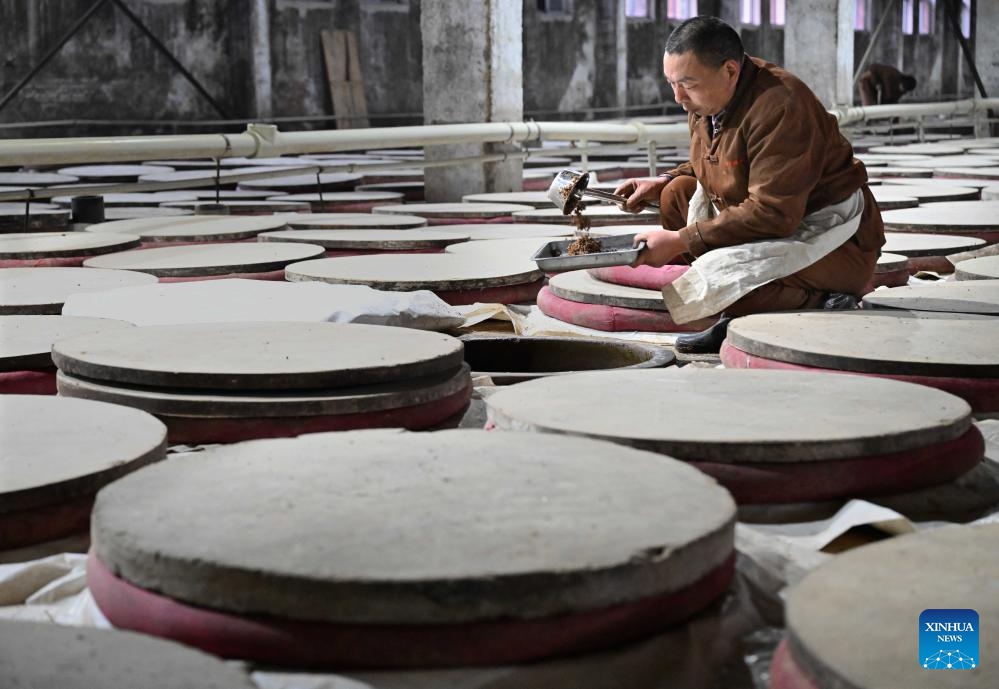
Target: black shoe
[
  {"x": 707, "y": 342},
  {"x": 838, "y": 301}
]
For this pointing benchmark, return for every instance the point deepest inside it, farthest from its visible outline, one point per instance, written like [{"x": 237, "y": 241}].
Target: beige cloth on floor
[{"x": 722, "y": 276}]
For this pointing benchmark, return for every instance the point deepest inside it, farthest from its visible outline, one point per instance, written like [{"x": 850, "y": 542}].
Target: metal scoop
[{"x": 569, "y": 187}]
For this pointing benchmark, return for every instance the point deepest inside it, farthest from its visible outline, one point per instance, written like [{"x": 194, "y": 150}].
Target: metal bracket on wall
[{"x": 142, "y": 27}]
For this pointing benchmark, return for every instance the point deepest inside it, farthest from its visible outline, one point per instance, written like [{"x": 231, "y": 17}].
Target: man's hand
[
  {"x": 641, "y": 190},
  {"x": 661, "y": 247}
]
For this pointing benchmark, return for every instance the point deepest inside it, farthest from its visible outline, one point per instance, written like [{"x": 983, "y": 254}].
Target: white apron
[{"x": 722, "y": 276}]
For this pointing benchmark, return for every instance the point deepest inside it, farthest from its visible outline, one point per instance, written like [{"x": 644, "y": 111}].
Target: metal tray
[{"x": 619, "y": 251}]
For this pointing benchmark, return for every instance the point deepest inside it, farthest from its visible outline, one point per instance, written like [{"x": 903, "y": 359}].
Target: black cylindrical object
[{"x": 87, "y": 209}]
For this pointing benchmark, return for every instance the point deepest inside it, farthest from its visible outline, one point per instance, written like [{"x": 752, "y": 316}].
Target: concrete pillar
[
  {"x": 986, "y": 52},
  {"x": 472, "y": 55},
  {"x": 260, "y": 33},
  {"x": 818, "y": 47},
  {"x": 611, "y": 73}
]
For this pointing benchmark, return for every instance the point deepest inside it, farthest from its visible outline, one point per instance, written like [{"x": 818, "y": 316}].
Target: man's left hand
[{"x": 661, "y": 247}]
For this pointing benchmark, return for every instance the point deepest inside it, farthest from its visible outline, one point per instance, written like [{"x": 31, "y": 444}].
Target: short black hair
[{"x": 709, "y": 38}]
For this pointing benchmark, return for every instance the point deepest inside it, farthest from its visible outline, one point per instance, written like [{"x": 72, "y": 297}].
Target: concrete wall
[{"x": 571, "y": 63}]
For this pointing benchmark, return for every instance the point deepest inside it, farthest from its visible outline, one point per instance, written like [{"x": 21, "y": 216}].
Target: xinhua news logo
[{"x": 948, "y": 639}]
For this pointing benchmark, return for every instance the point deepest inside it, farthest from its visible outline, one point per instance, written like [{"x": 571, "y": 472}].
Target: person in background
[
  {"x": 884, "y": 85},
  {"x": 772, "y": 207}
]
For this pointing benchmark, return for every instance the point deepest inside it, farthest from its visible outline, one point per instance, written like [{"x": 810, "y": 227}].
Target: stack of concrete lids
[
  {"x": 26, "y": 365},
  {"x": 487, "y": 231},
  {"x": 955, "y": 353},
  {"x": 769, "y": 437},
  {"x": 891, "y": 270},
  {"x": 928, "y": 193},
  {"x": 44, "y": 290},
  {"x": 982, "y": 268},
  {"x": 411, "y": 191},
  {"x": 351, "y": 221},
  {"x": 455, "y": 213},
  {"x": 113, "y": 173},
  {"x": 990, "y": 193},
  {"x": 154, "y": 198},
  {"x": 599, "y": 215},
  {"x": 344, "y": 201},
  {"x": 247, "y": 206},
  {"x": 192, "y": 229},
  {"x": 293, "y": 184},
  {"x": 967, "y": 218},
  {"x": 454, "y": 278},
  {"x": 894, "y": 170},
  {"x": 233, "y": 381},
  {"x": 535, "y": 199},
  {"x": 55, "y": 249},
  {"x": 36, "y": 217},
  {"x": 888, "y": 198},
  {"x": 356, "y": 242},
  {"x": 51, "y": 655},
  {"x": 965, "y": 297},
  {"x": 454, "y": 548},
  {"x": 36, "y": 179},
  {"x": 254, "y": 260},
  {"x": 929, "y": 251},
  {"x": 928, "y": 616},
  {"x": 57, "y": 453},
  {"x": 581, "y": 299}
]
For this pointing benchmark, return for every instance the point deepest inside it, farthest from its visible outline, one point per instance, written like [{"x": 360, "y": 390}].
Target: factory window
[
  {"x": 861, "y": 22},
  {"x": 776, "y": 12},
  {"x": 926, "y": 16},
  {"x": 555, "y": 6},
  {"x": 749, "y": 12},
  {"x": 681, "y": 9},
  {"x": 966, "y": 18},
  {"x": 908, "y": 17},
  {"x": 638, "y": 9}
]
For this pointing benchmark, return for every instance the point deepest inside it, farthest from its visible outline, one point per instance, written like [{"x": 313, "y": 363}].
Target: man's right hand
[{"x": 639, "y": 191}]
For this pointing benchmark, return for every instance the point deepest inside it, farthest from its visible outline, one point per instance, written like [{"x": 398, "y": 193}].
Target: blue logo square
[{"x": 948, "y": 640}]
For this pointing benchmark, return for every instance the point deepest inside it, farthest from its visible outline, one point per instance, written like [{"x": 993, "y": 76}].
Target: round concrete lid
[
  {"x": 605, "y": 214},
  {"x": 209, "y": 195},
  {"x": 247, "y": 206},
  {"x": 892, "y": 582},
  {"x": 207, "y": 177},
  {"x": 769, "y": 416},
  {"x": 26, "y": 341},
  {"x": 886, "y": 342},
  {"x": 535, "y": 199},
  {"x": 39, "y": 215},
  {"x": 56, "y": 448},
  {"x": 889, "y": 199},
  {"x": 44, "y": 290},
  {"x": 580, "y": 286},
  {"x": 111, "y": 172},
  {"x": 334, "y": 197},
  {"x": 952, "y": 216},
  {"x": 932, "y": 182},
  {"x": 915, "y": 244},
  {"x": 133, "y": 212},
  {"x": 983, "y": 268},
  {"x": 486, "y": 231},
  {"x": 991, "y": 173},
  {"x": 51, "y": 655},
  {"x": 514, "y": 253},
  {"x": 28, "y": 245},
  {"x": 934, "y": 150},
  {"x": 36, "y": 179},
  {"x": 330, "y": 180},
  {"x": 927, "y": 193},
  {"x": 258, "y": 356},
  {"x": 386, "y": 240},
  {"x": 965, "y": 297},
  {"x": 408, "y": 272},
  {"x": 154, "y": 198},
  {"x": 273, "y": 404},
  {"x": 954, "y": 161},
  {"x": 351, "y": 221},
  {"x": 452, "y": 210},
  {"x": 888, "y": 263},
  {"x": 990, "y": 193},
  {"x": 894, "y": 171},
  {"x": 208, "y": 259},
  {"x": 413, "y": 528},
  {"x": 192, "y": 229}
]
